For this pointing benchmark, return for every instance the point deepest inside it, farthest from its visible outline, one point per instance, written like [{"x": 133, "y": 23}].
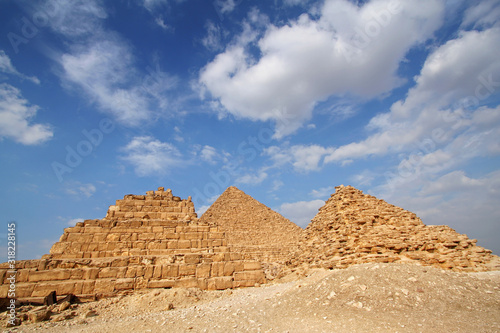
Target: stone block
[
  {"x": 192, "y": 258},
  {"x": 187, "y": 282},
  {"x": 252, "y": 265},
  {"x": 108, "y": 272},
  {"x": 88, "y": 287},
  {"x": 184, "y": 244},
  {"x": 43, "y": 289},
  {"x": 124, "y": 284},
  {"x": 256, "y": 276},
  {"x": 103, "y": 286},
  {"x": 228, "y": 269},
  {"x": 22, "y": 290},
  {"x": 187, "y": 270},
  {"x": 170, "y": 271},
  {"x": 220, "y": 283},
  {"x": 49, "y": 275},
  {"x": 90, "y": 273},
  {"x": 217, "y": 269},
  {"x": 203, "y": 270},
  {"x": 161, "y": 284}
]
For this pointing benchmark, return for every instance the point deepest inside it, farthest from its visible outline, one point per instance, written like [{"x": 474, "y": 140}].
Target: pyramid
[
  {"x": 353, "y": 228},
  {"x": 251, "y": 227},
  {"x": 145, "y": 241}
]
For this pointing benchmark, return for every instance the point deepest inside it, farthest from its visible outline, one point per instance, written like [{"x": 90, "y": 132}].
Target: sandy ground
[{"x": 362, "y": 298}]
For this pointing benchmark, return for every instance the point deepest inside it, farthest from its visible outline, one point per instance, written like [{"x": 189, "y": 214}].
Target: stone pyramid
[
  {"x": 251, "y": 227},
  {"x": 145, "y": 241},
  {"x": 353, "y": 228}
]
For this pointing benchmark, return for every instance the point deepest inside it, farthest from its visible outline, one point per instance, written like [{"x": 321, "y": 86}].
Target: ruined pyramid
[
  {"x": 145, "y": 241},
  {"x": 353, "y": 228},
  {"x": 252, "y": 228}
]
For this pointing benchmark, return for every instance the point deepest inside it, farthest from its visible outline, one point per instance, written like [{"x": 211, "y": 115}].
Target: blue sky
[{"x": 284, "y": 99}]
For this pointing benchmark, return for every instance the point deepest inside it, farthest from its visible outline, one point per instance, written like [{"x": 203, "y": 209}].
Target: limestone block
[
  {"x": 108, "y": 272},
  {"x": 184, "y": 244},
  {"x": 203, "y": 270},
  {"x": 161, "y": 284},
  {"x": 80, "y": 237},
  {"x": 203, "y": 284},
  {"x": 42, "y": 289},
  {"x": 187, "y": 270},
  {"x": 217, "y": 269},
  {"x": 49, "y": 275},
  {"x": 88, "y": 287},
  {"x": 256, "y": 276},
  {"x": 187, "y": 282},
  {"x": 22, "y": 290},
  {"x": 172, "y": 244},
  {"x": 169, "y": 271},
  {"x": 229, "y": 268},
  {"x": 192, "y": 258},
  {"x": 104, "y": 286},
  {"x": 124, "y": 284},
  {"x": 220, "y": 283}
]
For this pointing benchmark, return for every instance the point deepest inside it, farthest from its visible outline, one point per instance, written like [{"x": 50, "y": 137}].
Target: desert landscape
[{"x": 361, "y": 265}]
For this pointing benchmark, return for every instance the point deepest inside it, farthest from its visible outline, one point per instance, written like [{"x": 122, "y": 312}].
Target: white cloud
[
  {"x": 150, "y": 156},
  {"x": 161, "y": 23},
  {"x": 486, "y": 12},
  {"x": 152, "y": 5},
  {"x": 252, "y": 179},
  {"x": 212, "y": 41},
  {"x": 78, "y": 189},
  {"x": 75, "y": 19},
  {"x": 101, "y": 70},
  {"x": 301, "y": 212},
  {"x": 208, "y": 154},
  {"x": 323, "y": 192},
  {"x": 307, "y": 60},
  {"x": 431, "y": 111},
  {"x": 304, "y": 158},
  {"x": 224, "y": 6},
  {"x": 7, "y": 67},
  {"x": 16, "y": 115},
  {"x": 102, "y": 65}
]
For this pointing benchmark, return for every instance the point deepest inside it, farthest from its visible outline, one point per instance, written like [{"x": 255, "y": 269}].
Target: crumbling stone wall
[
  {"x": 252, "y": 228},
  {"x": 353, "y": 228}
]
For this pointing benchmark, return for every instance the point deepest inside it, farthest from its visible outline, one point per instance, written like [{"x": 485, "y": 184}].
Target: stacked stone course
[
  {"x": 145, "y": 241},
  {"x": 353, "y": 228},
  {"x": 252, "y": 228}
]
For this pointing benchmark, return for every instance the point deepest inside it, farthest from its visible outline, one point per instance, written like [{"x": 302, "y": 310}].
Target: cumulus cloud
[
  {"x": 437, "y": 106},
  {"x": 301, "y": 212},
  {"x": 349, "y": 49},
  {"x": 150, "y": 156},
  {"x": 16, "y": 116}
]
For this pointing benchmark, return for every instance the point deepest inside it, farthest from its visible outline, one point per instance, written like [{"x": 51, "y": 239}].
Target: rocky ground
[{"x": 362, "y": 298}]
